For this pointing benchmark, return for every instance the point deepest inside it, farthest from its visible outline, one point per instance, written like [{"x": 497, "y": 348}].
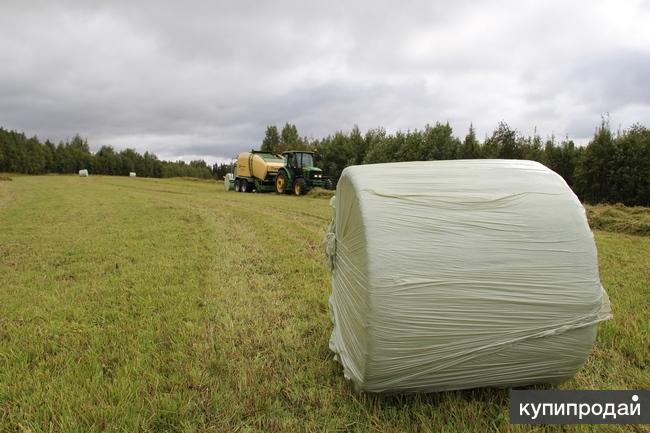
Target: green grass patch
[{"x": 132, "y": 304}]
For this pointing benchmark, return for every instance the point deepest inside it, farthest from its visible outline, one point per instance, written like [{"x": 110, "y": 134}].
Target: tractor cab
[
  {"x": 299, "y": 173},
  {"x": 299, "y": 161}
]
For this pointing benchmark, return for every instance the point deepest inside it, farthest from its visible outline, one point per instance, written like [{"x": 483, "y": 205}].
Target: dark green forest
[
  {"x": 614, "y": 167},
  {"x": 19, "y": 154}
]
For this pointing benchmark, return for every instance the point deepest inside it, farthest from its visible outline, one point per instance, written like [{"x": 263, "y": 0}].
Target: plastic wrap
[
  {"x": 228, "y": 182},
  {"x": 461, "y": 274}
]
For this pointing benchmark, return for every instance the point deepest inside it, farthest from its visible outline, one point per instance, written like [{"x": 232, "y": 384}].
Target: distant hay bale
[
  {"x": 132, "y": 174},
  {"x": 83, "y": 173},
  {"x": 228, "y": 182}
]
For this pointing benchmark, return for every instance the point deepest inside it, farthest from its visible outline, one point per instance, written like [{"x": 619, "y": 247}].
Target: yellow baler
[{"x": 256, "y": 170}]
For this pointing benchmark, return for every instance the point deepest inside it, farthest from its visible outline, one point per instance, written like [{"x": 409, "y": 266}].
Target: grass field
[{"x": 170, "y": 305}]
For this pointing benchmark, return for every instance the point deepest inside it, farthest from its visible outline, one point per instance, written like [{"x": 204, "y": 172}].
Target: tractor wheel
[
  {"x": 280, "y": 183},
  {"x": 329, "y": 184},
  {"x": 243, "y": 186},
  {"x": 236, "y": 185},
  {"x": 300, "y": 187}
]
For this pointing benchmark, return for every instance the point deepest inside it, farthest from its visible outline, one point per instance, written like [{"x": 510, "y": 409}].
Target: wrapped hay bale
[
  {"x": 83, "y": 173},
  {"x": 228, "y": 182},
  {"x": 132, "y": 174},
  {"x": 461, "y": 274}
]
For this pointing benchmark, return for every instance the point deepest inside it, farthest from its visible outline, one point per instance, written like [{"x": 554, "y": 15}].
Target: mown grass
[
  {"x": 620, "y": 219},
  {"x": 170, "y": 305}
]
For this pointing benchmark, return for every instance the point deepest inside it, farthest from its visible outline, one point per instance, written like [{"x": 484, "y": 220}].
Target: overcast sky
[{"x": 203, "y": 79}]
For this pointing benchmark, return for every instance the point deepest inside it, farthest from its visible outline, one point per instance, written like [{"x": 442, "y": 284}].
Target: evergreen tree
[
  {"x": 357, "y": 148},
  {"x": 471, "y": 148},
  {"x": 439, "y": 142},
  {"x": 561, "y": 159},
  {"x": 596, "y": 167},
  {"x": 289, "y": 138},
  {"x": 49, "y": 152},
  {"x": 503, "y": 143},
  {"x": 271, "y": 141},
  {"x": 531, "y": 148},
  {"x": 630, "y": 179}
]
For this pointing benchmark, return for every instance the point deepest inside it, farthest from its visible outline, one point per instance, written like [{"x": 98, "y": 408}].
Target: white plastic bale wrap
[
  {"x": 461, "y": 274},
  {"x": 83, "y": 173},
  {"x": 228, "y": 182}
]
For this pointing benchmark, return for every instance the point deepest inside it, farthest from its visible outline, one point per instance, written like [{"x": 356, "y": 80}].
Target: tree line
[
  {"x": 612, "y": 167},
  {"x": 20, "y": 154}
]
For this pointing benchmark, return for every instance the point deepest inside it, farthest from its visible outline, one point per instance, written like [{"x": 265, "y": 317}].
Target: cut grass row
[{"x": 620, "y": 219}]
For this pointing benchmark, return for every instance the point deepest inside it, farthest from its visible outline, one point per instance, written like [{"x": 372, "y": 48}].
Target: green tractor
[{"x": 299, "y": 174}]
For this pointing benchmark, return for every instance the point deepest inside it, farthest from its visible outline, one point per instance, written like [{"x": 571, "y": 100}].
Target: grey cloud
[{"x": 203, "y": 79}]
